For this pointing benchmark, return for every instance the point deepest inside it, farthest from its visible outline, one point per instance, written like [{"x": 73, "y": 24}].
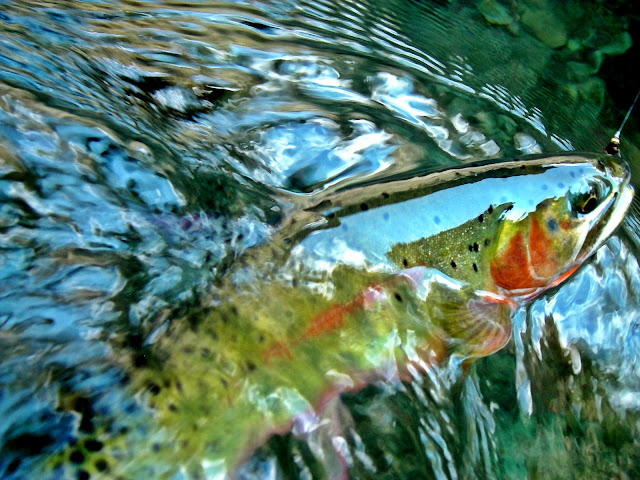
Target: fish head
[{"x": 540, "y": 247}]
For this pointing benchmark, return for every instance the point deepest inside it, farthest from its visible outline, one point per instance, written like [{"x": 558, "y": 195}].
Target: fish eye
[{"x": 586, "y": 201}]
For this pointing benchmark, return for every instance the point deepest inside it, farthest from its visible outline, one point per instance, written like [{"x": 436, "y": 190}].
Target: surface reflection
[{"x": 147, "y": 147}]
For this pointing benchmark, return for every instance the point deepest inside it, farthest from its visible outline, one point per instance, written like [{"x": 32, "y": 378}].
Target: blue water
[{"x": 144, "y": 146}]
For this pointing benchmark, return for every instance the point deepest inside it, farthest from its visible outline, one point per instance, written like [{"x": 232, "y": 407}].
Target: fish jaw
[
  {"x": 610, "y": 213},
  {"x": 616, "y": 215}
]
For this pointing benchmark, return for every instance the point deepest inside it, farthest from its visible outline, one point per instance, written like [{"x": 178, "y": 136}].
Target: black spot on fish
[
  {"x": 453, "y": 264},
  {"x": 523, "y": 167},
  {"x": 155, "y": 447},
  {"x": 552, "y": 225},
  {"x": 405, "y": 262},
  {"x": 234, "y": 310},
  {"x": 481, "y": 218},
  {"x": 172, "y": 407},
  {"x": 76, "y": 457},
  {"x": 140, "y": 359},
  {"x": 101, "y": 465},
  {"x": 251, "y": 366},
  {"x": 490, "y": 209},
  {"x": 261, "y": 339},
  {"x": 475, "y": 247},
  {"x": 470, "y": 247},
  {"x": 397, "y": 297},
  {"x": 154, "y": 388},
  {"x": 331, "y": 215},
  {"x": 83, "y": 475},
  {"x": 475, "y": 267},
  {"x": 205, "y": 352},
  {"x": 486, "y": 242},
  {"x": 294, "y": 282},
  {"x": 364, "y": 207},
  {"x": 385, "y": 195},
  {"x": 179, "y": 386},
  {"x": 93, "y": 445}
]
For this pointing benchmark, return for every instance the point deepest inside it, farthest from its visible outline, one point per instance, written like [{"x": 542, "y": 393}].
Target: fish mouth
[
  {"x": 610, "y": 218},
  {"x": 620, "y": 203},
  {"x": 617, "y": 212}
]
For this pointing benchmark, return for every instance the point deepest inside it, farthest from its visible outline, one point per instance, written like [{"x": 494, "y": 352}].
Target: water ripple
[{"x": 144, "y": 146}]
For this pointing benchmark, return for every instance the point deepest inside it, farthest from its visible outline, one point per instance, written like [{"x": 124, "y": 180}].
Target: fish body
[{"x": 359, "y": 286}]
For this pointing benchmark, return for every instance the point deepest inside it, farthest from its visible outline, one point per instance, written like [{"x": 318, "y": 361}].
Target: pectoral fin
[{"x": 477, "y": 323}]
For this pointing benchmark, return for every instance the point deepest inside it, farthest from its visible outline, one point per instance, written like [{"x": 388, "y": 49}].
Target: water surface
[{"x": 144, "y": 146}]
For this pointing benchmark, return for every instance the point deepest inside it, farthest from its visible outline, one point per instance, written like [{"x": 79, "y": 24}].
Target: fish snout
[{"x": 617, "y": 169}]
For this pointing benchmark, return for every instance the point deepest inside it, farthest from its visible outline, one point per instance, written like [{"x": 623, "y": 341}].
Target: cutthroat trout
[{"x": 360, "y": 286}]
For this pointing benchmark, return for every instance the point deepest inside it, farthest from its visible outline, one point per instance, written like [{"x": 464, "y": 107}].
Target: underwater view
[{"x": 312, "y": 239}]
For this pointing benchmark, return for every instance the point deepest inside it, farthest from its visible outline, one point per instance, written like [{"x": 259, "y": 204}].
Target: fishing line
[
  {"x": 626, "y": 117},
  {"x": 614, "y": 144}
]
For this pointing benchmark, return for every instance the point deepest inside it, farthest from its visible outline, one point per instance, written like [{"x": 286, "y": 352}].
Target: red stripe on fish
[
  {"x": 511, "y": 269},
  {"x": 328, "y": 321},
  {"x": 333, "y": 319},
  {"x": 542, "y": 261}
]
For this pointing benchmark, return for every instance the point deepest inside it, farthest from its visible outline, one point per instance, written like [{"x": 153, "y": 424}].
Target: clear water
[{"x": 144, "y": 146}]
